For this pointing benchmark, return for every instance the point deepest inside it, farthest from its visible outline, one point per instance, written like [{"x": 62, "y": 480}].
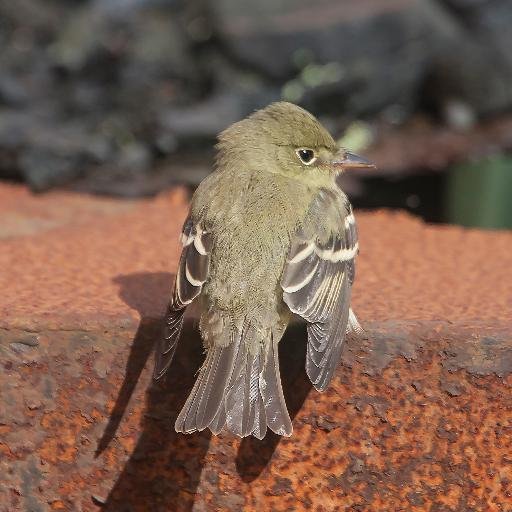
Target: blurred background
[{"x": 125, "y": 97}]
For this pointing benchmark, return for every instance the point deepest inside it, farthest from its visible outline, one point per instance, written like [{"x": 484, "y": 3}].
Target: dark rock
[
  {"x": 122, "y": 84},
  {"x": 478, "y": 69},
  {"x": 43, "y": 169},
  {"x": 55, "y": 156},
  {"x": 366, "y": 44},
  {"x": 360, "y": 57},
  {"x": 135, "y": 157},
  {"x": 206, "y": 119},
  {"x": 88, "y": 80},
  {"x": 12, "y": 91}
]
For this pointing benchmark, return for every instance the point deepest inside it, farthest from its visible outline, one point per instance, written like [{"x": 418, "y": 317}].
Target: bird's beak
[{"x": 347, "y": 160}]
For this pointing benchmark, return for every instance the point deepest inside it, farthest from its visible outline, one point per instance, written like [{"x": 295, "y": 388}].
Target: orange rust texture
[
  {"x": 418, "y": 418},
  {"x": 66, "y": 277},
  {"x": 411, "y": 422}
]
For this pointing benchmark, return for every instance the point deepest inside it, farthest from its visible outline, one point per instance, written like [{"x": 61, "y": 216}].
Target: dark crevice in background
[{"x": 420, "y": 195}]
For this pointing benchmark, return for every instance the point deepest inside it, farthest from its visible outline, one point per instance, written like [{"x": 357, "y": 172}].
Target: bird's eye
[{"x": 307, "y": 156}]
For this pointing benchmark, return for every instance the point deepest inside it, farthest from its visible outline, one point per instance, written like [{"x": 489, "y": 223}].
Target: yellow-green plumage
[{"x": 268, "y": 235}]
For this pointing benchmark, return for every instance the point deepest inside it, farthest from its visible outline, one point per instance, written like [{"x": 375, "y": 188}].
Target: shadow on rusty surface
[
  {"x": 146, "y": 481},
  {"x": 164, "y": 468},
  {"x": 162, "y": 459},
  {"x": 130, "y": 292}
]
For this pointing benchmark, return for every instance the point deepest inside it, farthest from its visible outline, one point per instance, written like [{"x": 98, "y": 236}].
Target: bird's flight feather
[
  {"x": 237, "y": 388},
  {"x": 190, "y": 277},
  {"x": 317, "y": 281}
]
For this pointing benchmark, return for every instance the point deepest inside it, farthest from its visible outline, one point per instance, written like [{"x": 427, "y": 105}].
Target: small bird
[{"x": 270, "y": 234}]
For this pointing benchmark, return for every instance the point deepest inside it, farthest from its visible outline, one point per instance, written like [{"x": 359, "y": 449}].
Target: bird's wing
[
  {"x": 317, "y": 280},
  {"x": 190, "y": 277}
]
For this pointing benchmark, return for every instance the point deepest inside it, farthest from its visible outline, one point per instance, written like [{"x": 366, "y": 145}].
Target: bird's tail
[{"x": 239, "y": 386}]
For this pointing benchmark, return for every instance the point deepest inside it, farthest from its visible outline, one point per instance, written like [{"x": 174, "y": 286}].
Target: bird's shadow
[{"x": 164, "y": 468}]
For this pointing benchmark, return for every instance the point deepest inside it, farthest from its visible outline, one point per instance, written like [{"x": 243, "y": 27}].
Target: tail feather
[
  {"x": 219, "y": 421},
  {"x": 206, "y": 396},
  {"x": 261, "y": 419},
  {"x": 240, "y": 389},
  {"x": 243, "y": 398},
  {"x": 278, "y": 419},
  {"x": 211, "y": 395}
]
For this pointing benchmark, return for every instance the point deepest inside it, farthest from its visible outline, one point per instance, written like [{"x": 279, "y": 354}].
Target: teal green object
[{"x": 479, "y": 194}]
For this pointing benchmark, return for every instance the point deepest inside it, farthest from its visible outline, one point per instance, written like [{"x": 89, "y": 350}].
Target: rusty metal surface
[
  {"x": 419, "y": 417},
  {"x": 66, "y": 277}
]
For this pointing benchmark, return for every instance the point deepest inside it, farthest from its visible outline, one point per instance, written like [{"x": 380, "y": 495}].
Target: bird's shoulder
[
  {"x": 230, "y": 194},
  {"x": 328, "y": 210}
]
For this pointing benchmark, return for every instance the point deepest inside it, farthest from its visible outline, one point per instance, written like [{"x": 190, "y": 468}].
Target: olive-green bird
[{"x": 270, "y": 234}]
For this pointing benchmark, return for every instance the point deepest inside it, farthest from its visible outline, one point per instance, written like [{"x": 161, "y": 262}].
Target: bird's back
[
  {"x": 251, "y": 225},
  {"x": 243, "y": 315}
]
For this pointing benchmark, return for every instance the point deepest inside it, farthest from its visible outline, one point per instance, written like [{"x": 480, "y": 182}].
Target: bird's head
[{"x": 285, "y": 139}]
